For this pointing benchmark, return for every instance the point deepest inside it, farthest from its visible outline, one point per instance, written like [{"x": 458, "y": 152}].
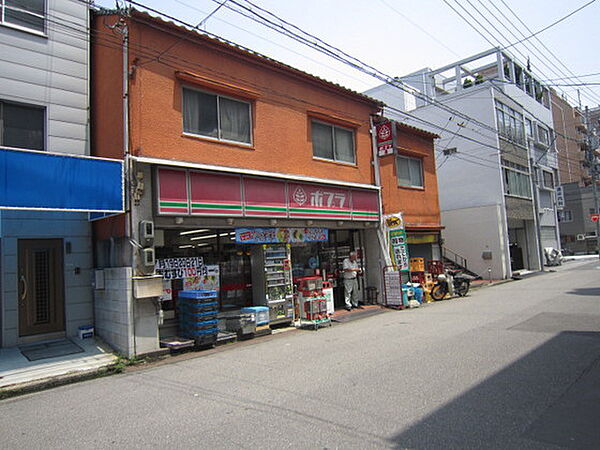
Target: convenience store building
[{"x": 226, "y": 151}]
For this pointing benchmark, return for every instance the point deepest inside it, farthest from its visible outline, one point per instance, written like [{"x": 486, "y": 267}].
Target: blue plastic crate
[
  {"x": 197, "y": 294},
  {"x": 261, "y": 313},
  {"x": 198, "y": 308},
  {"x": 192, "y": 334},
  {"x": 197, "y": 324},
  {"x": 198, "y": 316}
]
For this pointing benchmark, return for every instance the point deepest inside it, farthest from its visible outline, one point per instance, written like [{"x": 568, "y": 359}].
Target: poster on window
[
  {"x": 398, "y": 245},
  {"x": 181, "y": 268}
]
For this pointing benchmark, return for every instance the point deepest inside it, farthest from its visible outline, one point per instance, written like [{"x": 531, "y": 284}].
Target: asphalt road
[{"x": 511, "y": 366}]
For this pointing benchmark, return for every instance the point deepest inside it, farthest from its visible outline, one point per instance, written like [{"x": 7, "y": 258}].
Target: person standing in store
[{"x": 351, "y": 271}]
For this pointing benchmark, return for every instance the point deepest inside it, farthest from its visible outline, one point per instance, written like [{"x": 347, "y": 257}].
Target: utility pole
[
  {"x": 594, "y": 166},
  {"x": 536, "y": 208}
]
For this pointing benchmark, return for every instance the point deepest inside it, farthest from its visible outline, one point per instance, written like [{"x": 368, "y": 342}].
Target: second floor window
[
  {"x": 216, "y": 116},
  {"x": 332, "y": 142},
  {"x": 410, "y": 171},
  {"x": 22, "y": 126},
  {"x": 26, "y": 14}
]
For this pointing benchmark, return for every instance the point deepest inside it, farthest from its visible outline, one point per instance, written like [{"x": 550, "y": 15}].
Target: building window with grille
[
  {"x": 216, "y": 116},
  {"x": 27, "y": 15},
  {"x": 332, "y": 142},
  {"x": 22, "y": 126},
  {"x": 410, "y": 171}
]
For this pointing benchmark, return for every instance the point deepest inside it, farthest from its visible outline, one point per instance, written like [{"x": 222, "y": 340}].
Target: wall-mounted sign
[
  {"x": 280, "y": 235},
  {"x": 560, "y": 197},
  {"x": 191, "y": 192},
  {"x": 385, "y": 138}
]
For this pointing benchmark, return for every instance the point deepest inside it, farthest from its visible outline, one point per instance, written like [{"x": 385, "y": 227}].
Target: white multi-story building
[
  {"x": 45, "y": 235},
  {"x": 496, "y": 159}
]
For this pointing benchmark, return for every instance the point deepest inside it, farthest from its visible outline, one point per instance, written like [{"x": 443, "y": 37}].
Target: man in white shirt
[{"x": 351, "y": 270}]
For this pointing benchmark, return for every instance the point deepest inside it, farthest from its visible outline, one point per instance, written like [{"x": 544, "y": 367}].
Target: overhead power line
[
  {"x": 551, "y": 25},
  {"x": 593, "y": 94}
]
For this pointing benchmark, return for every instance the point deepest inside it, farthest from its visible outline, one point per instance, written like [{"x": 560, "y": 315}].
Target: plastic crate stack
[{"x": 197, "y": 312}]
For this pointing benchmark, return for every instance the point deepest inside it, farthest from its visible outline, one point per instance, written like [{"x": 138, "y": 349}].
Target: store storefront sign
[
  {"x": 215, "y": 194},
  {"x": 173, "y": 192},
  {"x": 264, "y": 198},
  {"x": 318, "y": 202},
  {"x": 280, "y": 235},
  {"x": 190, "y": 192}
]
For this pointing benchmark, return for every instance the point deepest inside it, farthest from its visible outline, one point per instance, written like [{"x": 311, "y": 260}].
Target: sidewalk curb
[
  {"x": 29, "y": 387},
  {"x": 495, "y": 283}
]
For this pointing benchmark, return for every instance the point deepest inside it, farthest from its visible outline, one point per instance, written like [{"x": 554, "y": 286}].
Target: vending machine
[{"x": 272, "y": 281}]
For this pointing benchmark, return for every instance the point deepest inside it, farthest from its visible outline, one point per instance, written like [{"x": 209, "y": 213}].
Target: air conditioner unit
[
  {"x": 591, "y": 235},
  {"x": 581, "y": 237}
]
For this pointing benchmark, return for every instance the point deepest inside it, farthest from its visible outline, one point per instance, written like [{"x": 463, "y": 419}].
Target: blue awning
[{"x": 46, "y": 181}]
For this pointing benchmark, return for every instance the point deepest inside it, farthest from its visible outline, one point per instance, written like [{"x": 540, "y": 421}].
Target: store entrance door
[{"x": 41, "y": 287}]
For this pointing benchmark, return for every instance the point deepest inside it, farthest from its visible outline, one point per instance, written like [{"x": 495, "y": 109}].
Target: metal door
[{"x": 40, "y": 286}]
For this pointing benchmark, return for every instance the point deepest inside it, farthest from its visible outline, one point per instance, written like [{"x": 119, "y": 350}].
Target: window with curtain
[
  {"x": 410, "y": 171},
  {"x": 332, "y": 142},
  {"x": 22, "y": 126},
  {"x": 24, "y": 14},
  {"x": 216, "y": 116},
  {"x": 517, "y": 184}
]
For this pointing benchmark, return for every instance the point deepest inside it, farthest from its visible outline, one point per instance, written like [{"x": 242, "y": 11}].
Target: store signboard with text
[
  {"x": 314, "y": 201},
  {"x": 385, "y": 138},
  {"x": 180, "y": 268},
  {"x": 198, "y": 193},
  {"x": 398, "y": 244},
  {"x": 280, "y": 235}
]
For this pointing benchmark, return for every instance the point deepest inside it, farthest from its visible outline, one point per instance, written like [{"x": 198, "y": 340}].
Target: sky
[{"x": 399, "y": 37}]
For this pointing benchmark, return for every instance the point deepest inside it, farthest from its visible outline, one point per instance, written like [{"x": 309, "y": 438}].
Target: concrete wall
[
  {"x": 71, "y": 227},
  {"x": 472, "y": 231},
  {"x": 113, "y": 307}
]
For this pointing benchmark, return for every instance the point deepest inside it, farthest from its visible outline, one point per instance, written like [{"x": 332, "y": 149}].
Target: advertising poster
[
  {"x": 180, "y": 268},
  {"x": 280, "y": 235}
]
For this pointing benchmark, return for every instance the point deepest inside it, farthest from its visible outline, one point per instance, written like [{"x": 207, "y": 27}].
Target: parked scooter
[{"x": 451, "y": 282}]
